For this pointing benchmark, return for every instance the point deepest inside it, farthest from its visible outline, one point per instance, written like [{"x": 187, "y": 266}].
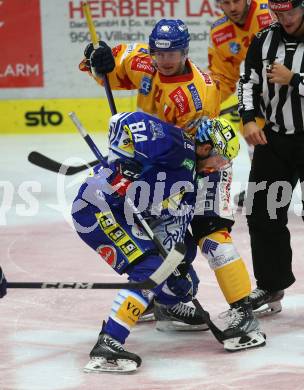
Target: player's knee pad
[{"x": 229, "y": 268}]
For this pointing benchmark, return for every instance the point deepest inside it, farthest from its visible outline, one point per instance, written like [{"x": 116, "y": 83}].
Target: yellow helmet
[{"x": 224, "y": 138}]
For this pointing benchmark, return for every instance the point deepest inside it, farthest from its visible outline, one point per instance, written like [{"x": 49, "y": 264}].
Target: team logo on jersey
[
  {"x": 264, "y": 20},
  {"x": 156, "y": 130},
  {"x": 234, "y": 47},
  {"x": 264, "y": 6},
  {"x": 108, "y": 253},
  {"x": 223, "y": 35},
  {"x": 181, "y": 101},
  {"x": 195, "y": 97},
  {"x": 142, "y": 64},
  {"x": 145, "y": 86}
]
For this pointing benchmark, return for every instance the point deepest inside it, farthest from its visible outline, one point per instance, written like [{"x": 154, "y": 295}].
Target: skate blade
[
  {"x": 146, "y": 318},
  {"x": 268, "y": 309},
  {"x": 121, "y": 366},
  {"x": 165, "y": 326},
  {"x": 253, "y": 339}
]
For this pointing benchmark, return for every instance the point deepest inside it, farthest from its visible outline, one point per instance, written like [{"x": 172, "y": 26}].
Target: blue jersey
[
  {"x": 164, "y": 156},
  {"x": 161, "y": 159}
]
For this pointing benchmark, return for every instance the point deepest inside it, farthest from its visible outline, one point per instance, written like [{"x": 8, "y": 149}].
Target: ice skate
[
  {"x": 243, "y": 330},
  {"x": 265, "y": 302},
  {"x": 178, "y": 317},
  {"x": 108, "y": 355},
  {"x": 148, "y": 314}
]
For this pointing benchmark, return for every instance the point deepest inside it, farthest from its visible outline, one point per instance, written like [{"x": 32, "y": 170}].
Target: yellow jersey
[
  {"x": 229, "y": 43},
  {"x": 181, "y": 100}
]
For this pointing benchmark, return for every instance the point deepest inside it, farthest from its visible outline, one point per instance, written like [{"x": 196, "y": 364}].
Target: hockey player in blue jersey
[{"x": 154, "y": 164}]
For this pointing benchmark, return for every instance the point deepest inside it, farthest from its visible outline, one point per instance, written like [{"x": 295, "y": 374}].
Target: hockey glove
[
  {"x": 2, "y": 284},
  {"x": 127, "y": 172},
  {"x": 102, "y": 60},
  {"x": 184, "y": 282}
]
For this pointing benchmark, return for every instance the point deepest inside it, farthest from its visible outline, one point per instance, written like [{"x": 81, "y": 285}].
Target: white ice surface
[{"x": 46, "y": 335}]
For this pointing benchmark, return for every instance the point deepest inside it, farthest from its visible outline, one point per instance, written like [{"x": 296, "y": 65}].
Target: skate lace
[
  {"x": 183, "y": 310},
  {"x": 235, "y": 317},
  {"x": 257, "y": 293},
  {"x": 112, "y": 343},
  {"x": 232, "y": 317}
]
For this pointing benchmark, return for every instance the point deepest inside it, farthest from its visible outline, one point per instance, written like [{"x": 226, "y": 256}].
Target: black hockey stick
[
  {"x": 45, "y": 162},
  {"x": 49, "y": 164},
  {"x": 172, "y": 260},
  {"x": 217, "y": 333}
]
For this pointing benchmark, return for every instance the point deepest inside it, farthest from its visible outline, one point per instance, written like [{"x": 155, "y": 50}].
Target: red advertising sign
[{"x": 21, "y": 44}]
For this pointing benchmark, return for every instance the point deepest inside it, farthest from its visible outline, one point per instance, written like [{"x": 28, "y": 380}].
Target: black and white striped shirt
[{"x": 282, "y": 105}]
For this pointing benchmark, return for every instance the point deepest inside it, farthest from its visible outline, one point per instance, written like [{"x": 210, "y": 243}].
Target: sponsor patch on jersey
[
  {"x": 195, "y": 97},
  {"x": 116, "y": 50},
  {"x": 219, "y": 22},
  {"x": 108, "y": 253},
  {"x": 188, "y": 164},
  {"x": 181, "y": 101},
  {"x": 206, "y": 77},
  {"x": 118, "y": 235},
  {"x": 145, "y": 86},
  {"x": 234, "y": 47},
  {"x": 264, "y": 6},
  {"x": 130, "y": 310},
  {"x": 223, "y": 35},
  {"x": 142, "y": 64},
  {"x": 143, "y": 50},
  {"x": 264, "y": 20}
]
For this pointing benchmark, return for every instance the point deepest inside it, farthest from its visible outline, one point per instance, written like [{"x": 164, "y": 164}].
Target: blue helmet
[{"x": 168, "y": 35}]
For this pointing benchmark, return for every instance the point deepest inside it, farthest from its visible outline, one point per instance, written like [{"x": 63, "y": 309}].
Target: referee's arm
[{"x": 249, "y": 92}]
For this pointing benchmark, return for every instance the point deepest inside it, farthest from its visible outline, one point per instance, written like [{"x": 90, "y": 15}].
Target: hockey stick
[
  {"x": 217, "y": 333},
  {"x": 172, "y": 260},
  {"x": 49, "y": 164},
  {"x": 94, "y": 39},
  {"x": 45, "y": 162}
]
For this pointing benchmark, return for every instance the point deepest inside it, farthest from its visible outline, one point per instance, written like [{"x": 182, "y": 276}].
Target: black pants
[{"x": 282, "y": 159}]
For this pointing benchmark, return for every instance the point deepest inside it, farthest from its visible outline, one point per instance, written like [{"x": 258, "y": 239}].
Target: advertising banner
[
  {"x": 42, "y": 44},
  {"x": 21, "y": 44}
]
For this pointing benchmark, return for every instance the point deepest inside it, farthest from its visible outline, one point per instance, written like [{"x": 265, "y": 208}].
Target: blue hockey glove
[{"x": 184, "y": 282}]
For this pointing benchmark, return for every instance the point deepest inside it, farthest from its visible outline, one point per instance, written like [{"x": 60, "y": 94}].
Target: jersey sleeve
[
  {"x": 223, "y": 69},
  {"x": 250, "y": 85}
]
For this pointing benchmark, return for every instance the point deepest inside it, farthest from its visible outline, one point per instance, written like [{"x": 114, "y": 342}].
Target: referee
[{"x": 274, "y": 80}]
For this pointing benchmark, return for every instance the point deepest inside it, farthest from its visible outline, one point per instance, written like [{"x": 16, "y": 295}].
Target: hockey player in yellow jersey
[
  {"x": 230, "y": 37},
  {"x": 170, "y": 86}
]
